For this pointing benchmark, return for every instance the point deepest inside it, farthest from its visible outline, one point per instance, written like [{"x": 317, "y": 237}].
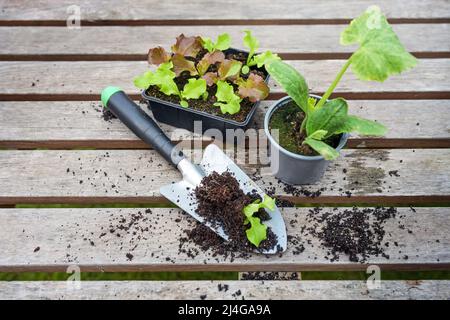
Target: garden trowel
[{"x": 214, "y": 159}]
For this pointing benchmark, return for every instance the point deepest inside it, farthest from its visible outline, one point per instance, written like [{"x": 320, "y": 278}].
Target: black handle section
[{"x": 143, "y": 126}]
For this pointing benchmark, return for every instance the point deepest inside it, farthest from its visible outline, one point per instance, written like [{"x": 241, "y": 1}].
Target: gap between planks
[
  {"x": 207, "y": 22},
  {"x": 353, "y": 143},
  {"x": 385, "y": 95},
  {"x": 143, "y": 57},
  {"x": 157, "y": 201}
]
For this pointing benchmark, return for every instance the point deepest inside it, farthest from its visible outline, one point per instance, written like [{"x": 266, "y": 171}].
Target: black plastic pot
[
  {"x": 290, "y": 167},
  {"x": 180, "y": 117}
]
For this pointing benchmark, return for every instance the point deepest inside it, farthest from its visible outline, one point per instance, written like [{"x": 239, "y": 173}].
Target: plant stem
[
  {"x": 333, "y": 85},
  {"x": 302, "y": 126}
]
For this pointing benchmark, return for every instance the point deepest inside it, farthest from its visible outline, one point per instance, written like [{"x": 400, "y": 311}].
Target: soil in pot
[
  {"x": 208, "y": 104},
  {"x": 288, "y": 120},
  {"x": 221, "y": 201}
]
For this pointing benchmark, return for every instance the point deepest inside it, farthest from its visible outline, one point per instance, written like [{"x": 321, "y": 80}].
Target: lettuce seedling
[
  {"x": 228, "y": 101},
  {"x": 223, "y": 43},
  {"x": 259, "y": 60},
  {"x": 257, "y": 231},
  {"x": 164, "y": 77},
  {"x": 194, "y": 89},
  {"x": 229, "y": 69},
  {"x": 187, "y": 46},
  {"x": 209, "y": 59},
  {"x": 254, "y": 88},
  {"x": 379, "y": 55},
  {"x": 157, "y": 56},
  {"x": 213, "y": 68}
]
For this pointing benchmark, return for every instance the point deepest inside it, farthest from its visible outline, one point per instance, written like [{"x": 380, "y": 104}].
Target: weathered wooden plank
[
  {"x": 54, "y": 239},
  {"x": 123, "y": 41},
  {"x": 248, "y": 290},
  {"x": 90, "y": 77},
  {"x": 136, "y": 175},
  {"x": 27, "y": 124},
  {"x": 203, "y": 9}
]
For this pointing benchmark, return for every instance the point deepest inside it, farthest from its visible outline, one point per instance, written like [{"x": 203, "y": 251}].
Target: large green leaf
[
  {"x": 331, "y": 117},
  {"x": 380, "y": 53},
  {"x": 364, "y": 126},
  {"x": 291, "y": 81},
  {"x": 322, "y": 148},
  {"x": 318, "y": 135}
]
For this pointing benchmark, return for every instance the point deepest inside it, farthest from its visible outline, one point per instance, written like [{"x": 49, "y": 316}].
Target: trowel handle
[{"x": 140, "y": 123}]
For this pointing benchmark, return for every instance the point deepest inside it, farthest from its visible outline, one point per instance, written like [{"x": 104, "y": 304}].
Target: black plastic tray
[{"x": 177, "y": 116}]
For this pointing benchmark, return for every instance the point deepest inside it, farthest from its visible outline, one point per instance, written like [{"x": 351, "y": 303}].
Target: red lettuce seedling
[
  {"x": 379, "y": 55},
  {"x": 187, "y": 46},
  {"x": 257, "y": 231},
  {"x": 180, "y": 64},
  {"x": 254, "y": 88},
  {"x": 158, "y": 55},
  {"x": 209, "y": 59}
]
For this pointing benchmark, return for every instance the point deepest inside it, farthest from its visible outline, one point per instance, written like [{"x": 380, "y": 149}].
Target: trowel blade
[{"x": 215, "y": 160}]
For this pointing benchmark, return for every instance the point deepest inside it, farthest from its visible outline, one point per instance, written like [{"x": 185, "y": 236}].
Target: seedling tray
[{"x": 177, "y": 116}]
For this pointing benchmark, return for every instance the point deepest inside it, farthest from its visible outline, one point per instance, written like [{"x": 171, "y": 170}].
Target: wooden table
[{"x": 56, "y": 148}]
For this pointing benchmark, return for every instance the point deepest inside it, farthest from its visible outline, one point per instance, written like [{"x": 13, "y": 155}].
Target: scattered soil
[
  {"x": 288, "y": 121},
  {"x": 207, "y": 105},
  {"x": 221, "y": 201},
  {"x": 270, "y": 276},
  {"x": 107, "y": 115},
  {"x": 357, "y": 232}
]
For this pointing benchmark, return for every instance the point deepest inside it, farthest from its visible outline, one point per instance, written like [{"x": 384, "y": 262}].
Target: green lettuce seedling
[
  {"x": 228, "y": 101},
  {"x": 259, "y": 60},
  {"x": 257, "y": 231},
  {"x": 163, "y": 78},
  {"x": 223, "y": 43},
  {"x": 380, "y": 55}
]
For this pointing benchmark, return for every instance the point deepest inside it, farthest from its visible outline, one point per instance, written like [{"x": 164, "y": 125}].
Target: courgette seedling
[{"x": 380, "y": 55}]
